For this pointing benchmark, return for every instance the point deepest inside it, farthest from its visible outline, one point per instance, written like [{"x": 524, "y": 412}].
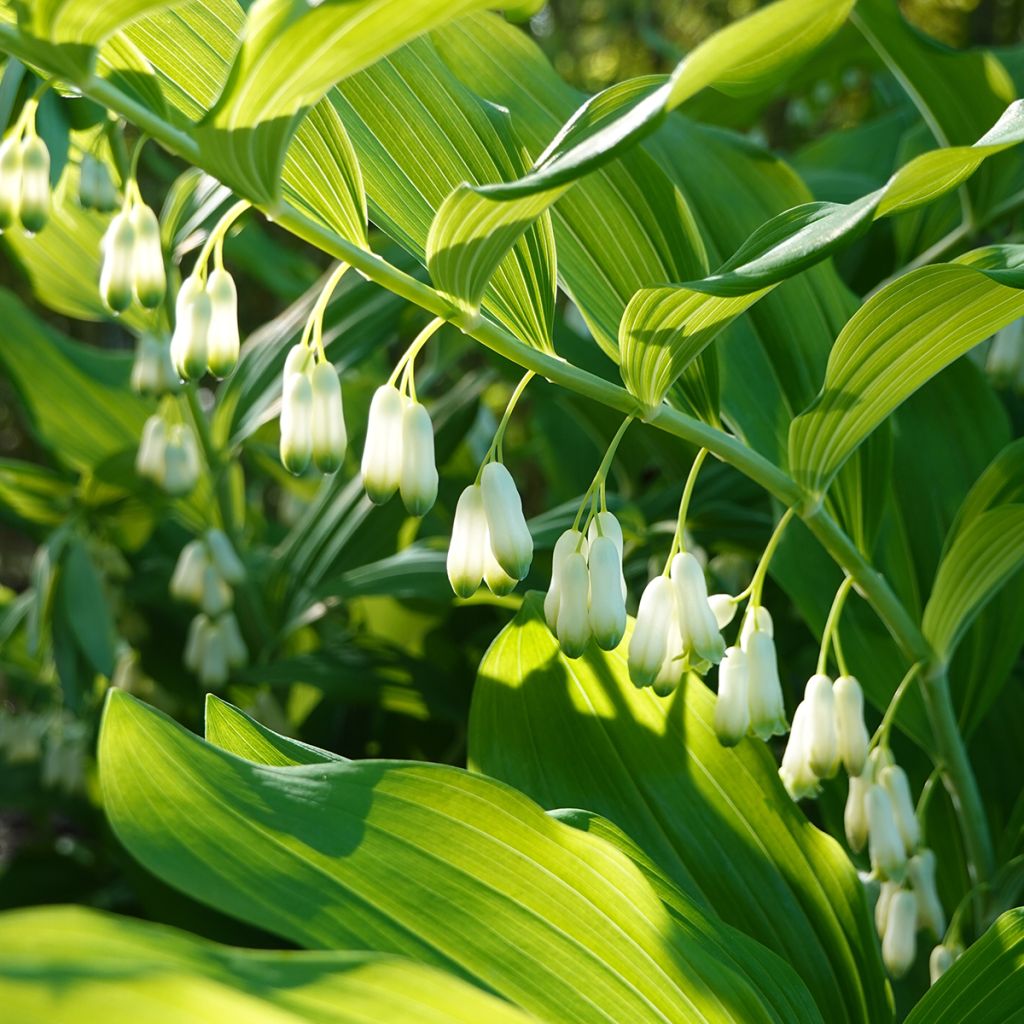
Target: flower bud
[
  {"x": 181, "y": 462},
  {"x": 755, "y": 620},
  {"x": 469, "y": 546},
  {"x": 330, "y": 438},
  {"x": 896, "y": 783},
  {"x": 882, "y": 905},
  {"x": 510, "y": 536},
  {"x": 149, "y": 462},
  {"x": 146, "y": 376},
  {"x": 899, "y": 946},
  {"x": 237, "y": 652},
  {"x": 696, "y": 619},
  {"x": 298, "y": 360},
  {"x": 296, "y": 446},
  {"x": 216, "y": 596},
  {"x": 149, "y": 279},
  {"x": 723, "y": 607},
  {"x": 498, "y": 581},
  {"x": 604, "y": 524},
  {"x": 116, "y": 270},
  {"x": 382, "y": 450},
  {"x": 654, "y": 621},
  {"x": 418, "y": 480},
  {"x": 796, "y": 773},
  {"x": 222, "y": 338},
  {"x": 567, "y": 543},
  {"x": 607, "y": 607},
  {"x": 213, "y": 661},
  {"x": 34, "y": 209},
  {"x": 855, "y": 816},
  {"x": 223, "y": 556},
  {"x": 732, "y": 711},
  {"x": 851, "y": 732},
  {"x": 888, "y": 856},
  {"x": 930, "y": 915},
  {"x": 190, "y": 572},
  {"x": 192, "y": 324},
  {"x": 767, "y": 710},
  {"x": 573, "y": 613},
  {"x": 96, "y": 189},
  {"x": 194, "y": 641},
  {"x": 822, "y": 745},
  {"x": 10, "y": 181},
  {"x": 940, "y": 961}
]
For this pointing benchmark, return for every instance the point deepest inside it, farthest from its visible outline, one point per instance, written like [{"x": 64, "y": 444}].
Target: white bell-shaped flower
[
  {"x": 851, "y": 732},
  {"x": 567, "y": 543},
  {"x": 498, "y": 581},
  {"x": 732, "y": 709},
  {"x": 822, "y": 742},
  {"x": 223, "y": 343},
  {"x": 940, "y": 961},
  {"x": 34, "y": 209},
  {"x": 511, "y": 541},
  {"x": 149, "y": 462},
  {"x": 607, "y": 607},
  {"x": 897, "y": 784},
  {"x": 470, "y": 544},
  {"x": 181, "y": 462},
  {"x": 418, "y": 480},
  {"x": 899, "y": 946},
  {"x": 10, "y": 181},
  {"x": 767, "y": 709},
  {"x": 605, "y": 524},
  {"x": 149, "y": 278},
  {"x": 192, "y": 324},
  {"x": 696, "y": 619},
  {"x": 296, "y": 447},
  {"x": 885, "y": 845},
  {"x": 654, "y": 620},
  {"x": 224, "y": 557},
  {"x": 237, "y": 652},
  {"x": 194, "y": 641},
  {"x": 146, "y": 376},
  {"x": 855, "y": 815},
  {"x": 382, "y": 450},
  {"x": 796, "y": 773},
  {"x": 670, "y": 675},
  {"x": 189, "y": 572},
  {"x": 330, "y": 439},
  {"x": 216, "y": 597},
  {"x": 116, "y": 269},
  {"x": 755, "y": 619},
  {"x": 573, "y": 605},
  {"x": 723, "y": 607},
  {"x": 921, "y": 872},
  {"x": 885, "y": 894},
  {"x": 213, "y": 658}
]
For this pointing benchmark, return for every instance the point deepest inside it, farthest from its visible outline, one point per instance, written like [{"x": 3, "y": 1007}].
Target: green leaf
[
  {"x": 234, "y": 731},
  {"x": 438, "y": 864},
  {"x": 898, "y": 339},
  {"x": 717, "y": 821},
  {"x": 664, "y": 329},
  {"x": 33, "y": 493},
  {"x": 85, "y": 605},
  {"x": 985, "y": 985},
  {"x": 82, "y": 21},
  {"x": 82, "y": 965}
]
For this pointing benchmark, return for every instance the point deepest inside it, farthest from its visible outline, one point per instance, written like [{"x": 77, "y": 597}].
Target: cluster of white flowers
[
  {"x": 168, "y": 455},
  {"x": 205, "y": 325},
  {"x": 24, "y": 179},
  {"x": 132, "y": 267},
  {"x": 96, "y": 188},
  {"x": 312, "y": 415},
  {"x": 56, "y": 739},
  {"x": 206, "y": 571},
  {"x": 153, "y": 372},
  {"x": 491, "y": 542}
]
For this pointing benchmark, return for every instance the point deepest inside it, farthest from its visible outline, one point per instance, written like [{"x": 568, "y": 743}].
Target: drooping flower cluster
[
  {"x": 312, "y": 415},
  {"x": 24, "y": 177},
  {"x": 206, "y": 571},
  {"x": 168, "y": 455},
  {"x": 132, "y": 267},
  {"x": 205, "y": 325},
  {"x": 587, "y": 597},
  {"x": 153, "y": 372},
  {"x": 491, "y": 542},
  {"x": 96, "y": 188}
]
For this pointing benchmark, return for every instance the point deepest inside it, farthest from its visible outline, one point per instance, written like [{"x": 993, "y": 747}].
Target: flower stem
[
  {"x": 757, "y": 583},
  {"x": 831, "y": 629},
  {"x": 678, "y": 538}
]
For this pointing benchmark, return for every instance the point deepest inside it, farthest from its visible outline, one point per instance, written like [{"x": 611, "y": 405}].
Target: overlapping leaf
[
  {"x": 896, "y": 341},
  {"x": 714, "y": 819},
  {"x": 435, "y": 863},
  {"x": 74, "y": 964},
  {"x": 475, "y": 223},
  {"x": 663, "y": 329}
]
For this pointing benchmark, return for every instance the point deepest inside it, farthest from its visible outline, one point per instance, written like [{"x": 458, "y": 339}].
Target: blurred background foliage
[{"x": 357, "y": 644}]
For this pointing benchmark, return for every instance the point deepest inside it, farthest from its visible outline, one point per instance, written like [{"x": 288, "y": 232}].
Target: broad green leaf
[
  {"x": 72, "y": 964},
  {"x": 80, "y": 418},
  {"x": 234, "y": 731},
  {"x": 476, "y": 225},
  {"x": 716, "y": 820},
  {"x": 985, "y": 985},
  {"x": 663, "y": 329},
  {"x": 1001, "y": 482},
  {"x": 435, "y": 863},
  {"x": 80, "y": 592},
  {"x": 898, "y": 339},
  {"x": 33, "y": 493},
  {"x": 83, "y": 21},
  {"x": 984, "y": 554}
]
